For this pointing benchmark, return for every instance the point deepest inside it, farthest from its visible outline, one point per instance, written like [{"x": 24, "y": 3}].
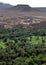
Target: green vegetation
[
  {"x": 21, "y": 46},
  {"x": 2, "y": 44}
]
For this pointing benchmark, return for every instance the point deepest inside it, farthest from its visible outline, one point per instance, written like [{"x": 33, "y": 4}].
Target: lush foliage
[{"x": 22, "y": 47}]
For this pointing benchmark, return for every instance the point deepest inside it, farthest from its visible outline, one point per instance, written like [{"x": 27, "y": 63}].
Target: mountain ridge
[
  {"x": 21, "y": 7},
  {"x": 4, "y": 5},
  {"x": 27, "y": 8}
]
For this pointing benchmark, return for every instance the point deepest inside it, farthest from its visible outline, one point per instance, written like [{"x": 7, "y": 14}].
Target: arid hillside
[
  {"x": 22, "y": 21},
  {"x": 23, "y": 16}
]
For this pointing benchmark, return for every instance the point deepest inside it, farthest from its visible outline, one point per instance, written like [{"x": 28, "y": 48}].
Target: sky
[{"x": 32, "y": 3}]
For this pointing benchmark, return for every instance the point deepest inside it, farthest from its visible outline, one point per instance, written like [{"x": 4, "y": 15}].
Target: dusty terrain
[{"x": 31, "y": 18}]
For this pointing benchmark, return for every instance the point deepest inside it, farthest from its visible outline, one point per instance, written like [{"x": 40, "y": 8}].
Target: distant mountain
[
  {"x": 3, "y": 5},
  {"x": 25, "y": 8},
  {"x": 43, "y": 9},
  {"x": 22, "y": 8}
]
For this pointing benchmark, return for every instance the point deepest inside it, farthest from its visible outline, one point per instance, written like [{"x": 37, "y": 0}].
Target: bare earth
[{"x": 12, "y": 18}]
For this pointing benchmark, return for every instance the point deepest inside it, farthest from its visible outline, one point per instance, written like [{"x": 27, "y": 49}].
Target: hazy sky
[{"x": 33, "y": 3}]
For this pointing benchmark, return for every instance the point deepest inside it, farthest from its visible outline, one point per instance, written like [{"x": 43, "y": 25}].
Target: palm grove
[{"x": 21, "y": 46}]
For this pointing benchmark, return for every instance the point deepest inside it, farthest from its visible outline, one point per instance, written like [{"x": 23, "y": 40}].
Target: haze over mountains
[
  {"x": 3, "y": 5},
  {"x": 21, "y": 7}
]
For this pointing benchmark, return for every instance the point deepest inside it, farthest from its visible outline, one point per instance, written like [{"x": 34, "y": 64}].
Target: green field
[{"x": 38, "y": 39}]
